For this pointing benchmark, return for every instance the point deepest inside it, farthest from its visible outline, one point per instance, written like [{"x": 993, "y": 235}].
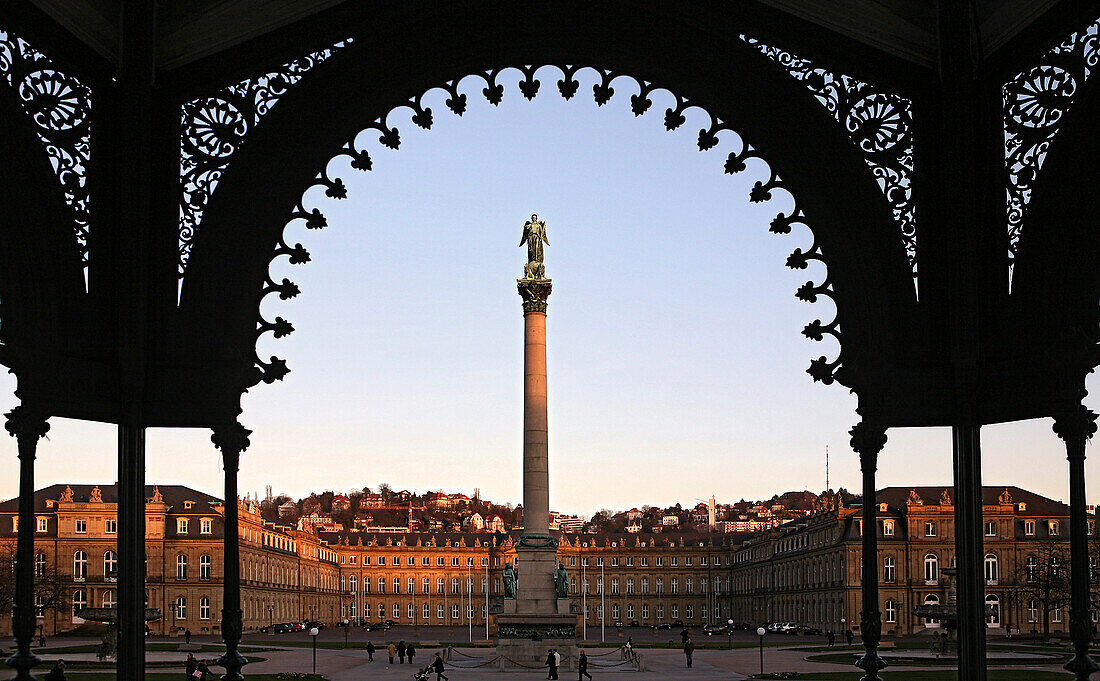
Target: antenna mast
[{"x": 827, "y": 488}]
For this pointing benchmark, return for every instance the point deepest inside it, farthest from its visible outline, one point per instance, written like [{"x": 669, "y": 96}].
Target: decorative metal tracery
[
  {"x": 60, "y": 106},
  {"x": 1035, "y": 103},
  {"x": 821, "y": 369},
  {"x": 214, "y": 128},
  {"x": 879, "y": 123}
]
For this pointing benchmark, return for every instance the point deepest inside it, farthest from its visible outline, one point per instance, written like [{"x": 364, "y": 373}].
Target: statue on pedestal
[
  {"x": 509, "y": 581},
  {"x": 534, "y": 235},
  {"x": 561, "y": 581}
]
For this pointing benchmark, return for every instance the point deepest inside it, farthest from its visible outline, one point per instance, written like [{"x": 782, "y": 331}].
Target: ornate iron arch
[{"x": 869, "y": 274}]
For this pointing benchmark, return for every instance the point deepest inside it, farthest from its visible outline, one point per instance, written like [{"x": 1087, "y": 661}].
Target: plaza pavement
[{"x": 350, "y": 664}]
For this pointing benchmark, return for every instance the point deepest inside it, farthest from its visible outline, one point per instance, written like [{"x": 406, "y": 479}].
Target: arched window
[
  {"x": 1032, "y": 569},
  {"x": 181, "y": 608},
  {"x": 889, "y": 569},
  {"x": 993, "y": 611},
  {"x": 204, "y": 568},
  {"x": 39, "y": 565},
  {"x": 80, "y": 567},
  {"x": 181, "y": 567},
  {"x": 931, "y": 569},
  {"x": 931, "y": 599},
  {"x": 990, "y": 568},
  {"x": 110, "y": 565},
  {"x": 80, "y": 601},
  {"x": 110, "y": 599}
]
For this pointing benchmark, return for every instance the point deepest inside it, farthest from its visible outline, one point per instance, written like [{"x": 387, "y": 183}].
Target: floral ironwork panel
[
  {"x": 879, "y": 123},
  {"x": 215, "y": 127},
  {"x": 60, "y": 106},
  {"x": 1035, "y": 103}
]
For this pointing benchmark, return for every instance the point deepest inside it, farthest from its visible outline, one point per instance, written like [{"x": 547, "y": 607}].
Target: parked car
[
  {"x": 713, "y": 629},
  {"x": 619, "y": 624},
  {"x": 632, "y": 623},
  {"x": 279, "y": 628},
  {"x": 390, "y": 622},
  {"x": 377, "y": 626},
  {"x": 664, "y": 625},
  {"x": 804, "y": 629},
  {"x": 677, "y": 623},
  {"x": 310, "y": 625}
]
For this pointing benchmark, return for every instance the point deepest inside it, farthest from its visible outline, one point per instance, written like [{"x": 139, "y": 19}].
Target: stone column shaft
[{"x": 536, "y": 476}]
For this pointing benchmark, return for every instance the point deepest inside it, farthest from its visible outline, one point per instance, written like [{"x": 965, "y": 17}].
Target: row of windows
[
  {"x": 110, "y": 566},
  {"x": 110, "y": 600}
]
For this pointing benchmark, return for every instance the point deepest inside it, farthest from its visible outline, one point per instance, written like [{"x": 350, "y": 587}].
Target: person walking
[
  {"x": 630, "y": 647},
  {"x": 832, "y": 637},
  {"x": 689, "y": 648},
  {"x": 848, "y": 635},
  {"x": 190, "y": 668},
  {"x": 401, "y": 652},
  {"x": 370, "y": 651},
  {"x": 437, "y": 667},
  {"x": 685, "y": 635},
  {"x": 582, "y": 666},
  {"x": 410, "y": 651},
  {"x": 552, "y": 664},
  {"x": 392, "y": 650},
  {"x": 58, "y": 672},
  {"x": 557, "y": 661},
  {"x": 203, "y": 671},
  {"x": 187, "y": 636}
]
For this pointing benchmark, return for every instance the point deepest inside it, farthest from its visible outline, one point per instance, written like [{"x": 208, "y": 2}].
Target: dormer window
[
  {"x": 206, "y": 526},
  {"x": 188, "y": 504},
  {"x": 882, "y": 507},
  {"x": 1052, "y": 528},
  {"x": 1021, "y": 507},
  {"x": 181, "y": 525},
  {"x": 888, "y": 528}
]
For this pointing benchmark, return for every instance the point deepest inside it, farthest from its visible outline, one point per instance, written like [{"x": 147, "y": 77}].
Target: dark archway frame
[{"x": 851, "y": 222}]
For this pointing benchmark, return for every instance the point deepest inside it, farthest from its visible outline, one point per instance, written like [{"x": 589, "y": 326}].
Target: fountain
[{"x": 109, "y": 616}]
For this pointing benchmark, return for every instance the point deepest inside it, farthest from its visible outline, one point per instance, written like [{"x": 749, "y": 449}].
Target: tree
[
  {"x": 385, "y": 490},
  {"x": 1044, "y": 578},
  {"x": 51, "y": 593}
]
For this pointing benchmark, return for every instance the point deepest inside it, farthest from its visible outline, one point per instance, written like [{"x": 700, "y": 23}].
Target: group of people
[
  {"x": 831, "y": 636},
  {"x": 553, "y": 661},
  {"x": 404, "y": 650},
  {"x": 196, "y": 670}
]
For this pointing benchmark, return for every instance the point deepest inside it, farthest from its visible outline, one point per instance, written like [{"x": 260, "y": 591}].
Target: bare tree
[
  {"x": 1044, "y": 578},
  {"x": 51, "y": 593}
]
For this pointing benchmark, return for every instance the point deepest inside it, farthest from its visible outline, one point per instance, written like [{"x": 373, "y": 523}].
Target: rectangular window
[
  {"x": 426, "y": 587},
  {"x": 454, "y": 611},
  {"x": 1052, "y": 528},
  {"x": 204, "y": 608},
  {"x": 409, "y": 561},
  {"x": 1056, "y": 614},
  {"x": 702, "y": 560},
  {"x": 614, "y": 586},
  {"x": 439, "y": 561},
  {"x": 44, "y": 524},
  {"x": 660, "y": 561},
  {"x": 412, "y": 611},
  {"x": 397, "y": 585},
  {"x": 630, "y": 561},
  {"x": 572, "y": 561},
  {"x": 888, "y": 528},
  {"x": 645, "y": 585},
  {"x": 439, "y": 587},
  {"x": 991, "y": 528},
  {"x": 675, "y": 561},
  {"x": 425, "y": 561},
  {"x": 930, "y": 529},
  {"x": 630, "y": 585},
  {"x": 454, "y": 561},
  {"x": 689, "y": 561},
  {"x": 1029, "y": 528},
  {"x": 206, "y": 526},
  {"x": 81, "y": 526},
  {"x": 181, "y": 525},
  {"x": 366, "y": 560},
  {"x": 614, "y": 561},
  {"x": 111, "y": 526},
  {"x": 397, "y": 611},
  {"x": 427, "y": 611},
  {"x": 645, "y": 561},
  {"x": 381, "y": 585},
  {"x": 353, "y": 559},
  {"x": 15, "y": 523}
]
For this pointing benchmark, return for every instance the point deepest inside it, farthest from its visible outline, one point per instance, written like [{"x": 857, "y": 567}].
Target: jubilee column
[{"x": 536, "y": 613}]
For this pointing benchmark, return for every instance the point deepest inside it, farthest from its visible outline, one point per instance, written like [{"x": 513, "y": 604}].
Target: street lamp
[
  {"x": 760, "y": 631},
  {"x": 346, "y": 627},
  {"x": 729, "y": 634},
  {"x": 313, "y": 632},
  {"x": 271, "y": 619}
]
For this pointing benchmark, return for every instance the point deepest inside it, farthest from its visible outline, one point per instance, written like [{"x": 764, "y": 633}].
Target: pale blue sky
[{"x": 676, "y": 362}]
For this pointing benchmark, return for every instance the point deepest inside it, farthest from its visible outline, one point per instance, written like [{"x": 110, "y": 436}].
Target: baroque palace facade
[{"x": 805, "y": 571}]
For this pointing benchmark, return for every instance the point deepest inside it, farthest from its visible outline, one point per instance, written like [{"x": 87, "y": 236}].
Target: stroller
[{"x": 421, "y": 675}]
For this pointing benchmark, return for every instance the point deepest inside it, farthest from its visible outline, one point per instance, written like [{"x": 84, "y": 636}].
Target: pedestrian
[
  {"x": 557, "y": 661},
  {"x": 689, "y": 648},
  {"x": 582, "y": 666},
  {"x": 410, "y": 651},
  {"x": 832, "y": 637},
  {"x": 848, "y": 635},
  {"x": 684, "y": 635},
  {"x": 42, "y": 639},
  {"x": 187, "y": 637},
  {"x": 551, "y": 664},
  {"x": 437, "y": 667},
  {"x": 203, "y": 671},
  {"x": 190, "y": 667},
  {"x": 401, "y": 652},
  {"x": 370, "y": 651},
  {"x": 58, "y": 672},
  {"x": 392, "y": 650}
]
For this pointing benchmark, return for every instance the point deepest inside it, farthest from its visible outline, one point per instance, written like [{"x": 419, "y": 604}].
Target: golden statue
[{"x": 534, "y": 235}]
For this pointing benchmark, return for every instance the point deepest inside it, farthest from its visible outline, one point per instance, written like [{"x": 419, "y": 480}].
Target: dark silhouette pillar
[
  {"x": 231, "y": 440},
  {"x": 26, "y": 427},
  {"x": 131, "y": 552},
  {"x": 969, "y": 552},
  {"x": 1076, "y": 428},
  {"x": 867, "y": 441}
]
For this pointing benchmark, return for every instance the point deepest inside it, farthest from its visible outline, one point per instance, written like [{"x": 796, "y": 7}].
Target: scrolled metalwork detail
[
  {"x": 213, "y": 128},
  {"x": 879, "y": 119},
  {"x": 60, "y": 107},
  {"x": 880, "y": 124},
  {"x": 1035, "y": 102}
]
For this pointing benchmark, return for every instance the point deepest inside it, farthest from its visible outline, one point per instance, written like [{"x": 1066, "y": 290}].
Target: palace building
[{"x": 806, "y": 571}]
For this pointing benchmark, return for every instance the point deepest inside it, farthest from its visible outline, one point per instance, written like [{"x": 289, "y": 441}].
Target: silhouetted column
[
  {"x": 969, "y": 552},
  {"x": 231, "y": 440},
  {"x": 131, "y": 552},
  {"x": 26, "y": 427},
  {"x": 867, "y": 441},
  {"x": 1076, "y": 428}
]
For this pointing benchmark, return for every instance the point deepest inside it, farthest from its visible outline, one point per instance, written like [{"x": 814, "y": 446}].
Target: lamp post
[
  {"x": 603, "y": 602},
  {"x": 584, "y": 600},
  {"x": 270, "y": 619},
  {"x": 313, "y": 632},
  {"x": 729, "y": 634},
  {"x": 346, "y": 625},
  {"x": 469, "y": 598},
  {"x": 760, "y": 631}
]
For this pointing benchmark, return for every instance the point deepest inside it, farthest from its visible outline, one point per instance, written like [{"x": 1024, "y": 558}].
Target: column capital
[
  {"x": 1080, "y": 423},
  {"x": 233, "y": 437},
  {"x": 22, "y": 421},
  {"x": 535, "y": 293},
  {"x": 867, "y": 441}
]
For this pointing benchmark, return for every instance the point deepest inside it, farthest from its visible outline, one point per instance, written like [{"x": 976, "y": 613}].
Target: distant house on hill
[
  {"x": 403, "y": 495},
  {"x": 340, "y": 503},
  {"x": 439, "y": 500},
  {"x": 459, "y": 500},
  {"x": 634, "y": 527},
  {"x": 288, "y": 510},
  {"x": 670, "y": 520},
  {"x": 474, "y": 523},
  {"x": 495, "y": 524},
  {"x": 633, "y": 514},
  {"x": 372, "y": 501}
]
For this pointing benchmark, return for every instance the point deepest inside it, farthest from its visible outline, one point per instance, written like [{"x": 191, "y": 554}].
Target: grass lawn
[{"x": 937, "y": 675}]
